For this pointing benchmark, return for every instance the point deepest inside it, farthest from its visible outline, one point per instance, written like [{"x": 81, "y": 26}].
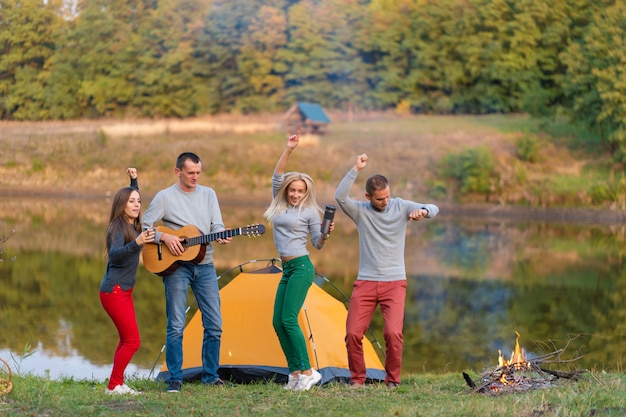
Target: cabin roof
[{"x": 313, "y": 112}]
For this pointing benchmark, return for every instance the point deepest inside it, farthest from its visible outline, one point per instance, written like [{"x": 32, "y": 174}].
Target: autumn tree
[
  {"x": 322, "y": 59},
  {"x": 594, "y": 84},
  {"x": 162, "y": 47},
  {"x": 28, "y": 30}
]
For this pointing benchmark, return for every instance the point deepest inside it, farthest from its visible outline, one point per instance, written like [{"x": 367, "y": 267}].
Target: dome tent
[{"x": 250, "y": 350}]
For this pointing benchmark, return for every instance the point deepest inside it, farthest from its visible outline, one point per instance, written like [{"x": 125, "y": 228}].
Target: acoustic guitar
[{"x": 161, "y": 262}]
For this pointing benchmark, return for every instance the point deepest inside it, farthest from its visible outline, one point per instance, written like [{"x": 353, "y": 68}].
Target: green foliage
[
  {"x": 321, "y": 61},
  {"x": 17, "y": 361},
  {"x": 97, "y": 49},
  {"x": 611, "y": 191},
  {"x": 189, "y": 57},
  {"x": 60, "y": 94},
  {"x": 27, "y": 41},
  {"x": 235, "y": 53},
  {"x": 38, "y": 165},
  {"x": 391, "y": 34},
  {"x": 163, "y": 76},
  {"x": 594, "y": 82},
  {"x": 527, "y": 148},
  {"x": 112, "y": 58},
  {"x": 474, "y": 169},
  {"x": 437, "y": 190}
]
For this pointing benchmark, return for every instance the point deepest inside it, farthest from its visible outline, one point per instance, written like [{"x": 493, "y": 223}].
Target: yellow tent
[{"x": 250, "y": 350}]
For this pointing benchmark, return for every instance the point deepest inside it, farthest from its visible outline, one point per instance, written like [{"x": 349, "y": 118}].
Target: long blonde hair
[{"x": 280, "y": 203}]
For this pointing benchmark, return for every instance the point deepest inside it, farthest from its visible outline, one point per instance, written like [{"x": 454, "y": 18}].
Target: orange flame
[
  {"x": 503, "y": 380},
  {"x": 518, "y": 356}
]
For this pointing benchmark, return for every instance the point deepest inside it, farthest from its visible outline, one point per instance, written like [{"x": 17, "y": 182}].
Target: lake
[{"x": 473, "y": 283}]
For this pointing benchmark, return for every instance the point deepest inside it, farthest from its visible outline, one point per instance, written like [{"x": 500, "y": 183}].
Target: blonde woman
[{"x": 295, "y": 215}]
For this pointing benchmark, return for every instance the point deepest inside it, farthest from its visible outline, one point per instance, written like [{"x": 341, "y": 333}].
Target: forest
[{"x": 69, "y": 60}]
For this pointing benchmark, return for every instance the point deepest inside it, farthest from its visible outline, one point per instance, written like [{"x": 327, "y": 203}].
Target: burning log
[{"x": 520, "y": 374}]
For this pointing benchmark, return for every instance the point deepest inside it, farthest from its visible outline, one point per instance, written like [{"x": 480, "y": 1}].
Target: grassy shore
[
  {"x": 595, "y": 394},
  {"x": 86, "y": 159}
]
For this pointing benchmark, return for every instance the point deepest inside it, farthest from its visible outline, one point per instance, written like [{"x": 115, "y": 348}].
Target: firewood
[
  {"x": 574, "y": 375},
  {"x": 469, "y": 381}
]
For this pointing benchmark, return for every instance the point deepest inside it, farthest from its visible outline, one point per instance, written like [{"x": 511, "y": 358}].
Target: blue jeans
[{"x": 203, "y": 282}]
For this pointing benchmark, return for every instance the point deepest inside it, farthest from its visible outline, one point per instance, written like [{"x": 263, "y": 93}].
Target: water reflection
[
  {"x": 473, "y": 283},
  {"x": 73, "y": 366}
]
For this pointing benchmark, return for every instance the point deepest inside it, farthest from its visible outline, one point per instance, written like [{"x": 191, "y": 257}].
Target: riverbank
[
  {"x": 590, "y": 215},
  {"x": 87, "y": 159}
]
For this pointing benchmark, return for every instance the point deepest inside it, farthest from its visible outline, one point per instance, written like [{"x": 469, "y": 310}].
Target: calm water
[{"x": 472, "y": 284}]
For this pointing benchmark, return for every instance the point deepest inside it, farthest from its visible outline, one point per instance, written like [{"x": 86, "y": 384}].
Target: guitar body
[
  {"x": 158, "y": 259},
  {"x": 168, "y": 262}
]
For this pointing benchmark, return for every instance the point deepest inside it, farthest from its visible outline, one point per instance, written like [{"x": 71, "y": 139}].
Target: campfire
[{"x": 519, "y": 373}]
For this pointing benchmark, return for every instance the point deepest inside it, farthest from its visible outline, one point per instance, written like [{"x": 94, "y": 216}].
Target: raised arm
[
  {"x": 343, "y": 190},
  {"x": 361, "y": 161},
  {"x": 342, "y": 193},
  {"x": 132, "y": 174},
  {"x": 292, "y": 142}
]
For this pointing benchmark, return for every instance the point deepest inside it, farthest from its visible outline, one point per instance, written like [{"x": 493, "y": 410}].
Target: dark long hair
[{"x": 118, "y": 220}]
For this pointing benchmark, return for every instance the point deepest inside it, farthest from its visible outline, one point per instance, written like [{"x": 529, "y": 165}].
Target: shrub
[
  {"x": 611, "y": 191},
  {"x": 527, "y": 148},
  {"x": 403, "y": 108},
  {"x": 437, "y": 190},
  {"x": 38, "y": 165},
  {"x": 474, "y": 169}
]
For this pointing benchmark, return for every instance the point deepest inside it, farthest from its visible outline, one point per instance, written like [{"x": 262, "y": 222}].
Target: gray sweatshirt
[
  {"x": 292, "y": 227},
  {"x": 381, "y": 234},
  {"x": 177, "y": 208}
]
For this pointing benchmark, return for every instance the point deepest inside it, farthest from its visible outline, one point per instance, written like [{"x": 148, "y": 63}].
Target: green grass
[{"x": 595, "y": 394}]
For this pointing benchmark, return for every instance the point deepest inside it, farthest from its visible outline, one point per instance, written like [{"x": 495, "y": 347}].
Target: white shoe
[
  {"x": 292, "y": 382},
  {"x": 305, "y": 382},
  {"x": 121, "y": 390}
]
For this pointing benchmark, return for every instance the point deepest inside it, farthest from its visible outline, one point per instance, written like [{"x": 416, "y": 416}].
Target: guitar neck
[{"x": 205, "y": 239}]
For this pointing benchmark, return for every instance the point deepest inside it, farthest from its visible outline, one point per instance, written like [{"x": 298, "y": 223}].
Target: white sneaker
[
  {"x": 292, "y": 382},
  {"x": 121, "y": 390},
  {"x": 305, "y": 382}
]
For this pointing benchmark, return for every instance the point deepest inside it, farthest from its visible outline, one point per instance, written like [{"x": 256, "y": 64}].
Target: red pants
[
  {"x": 121, "y": 308},
  {"x": 366, "y": 295}
]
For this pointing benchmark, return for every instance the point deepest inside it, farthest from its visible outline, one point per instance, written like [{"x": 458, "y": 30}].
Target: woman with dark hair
[{"x": 124, "y": 240}]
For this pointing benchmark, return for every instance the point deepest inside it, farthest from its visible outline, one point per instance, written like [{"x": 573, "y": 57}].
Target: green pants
[{"x": 298, "y": 275}]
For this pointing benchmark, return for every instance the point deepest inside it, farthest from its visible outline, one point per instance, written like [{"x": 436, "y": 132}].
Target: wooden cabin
[{"x": 308, "y": 117}]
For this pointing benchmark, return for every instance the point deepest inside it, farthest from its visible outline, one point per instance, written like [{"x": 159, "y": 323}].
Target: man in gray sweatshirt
[
  {"x": 182, "y": 204},
  {"x": 381, "y": 223}
]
